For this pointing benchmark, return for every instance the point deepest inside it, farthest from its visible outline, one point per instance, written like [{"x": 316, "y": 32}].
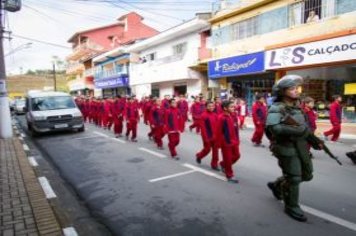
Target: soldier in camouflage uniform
[{"x": 288, "y": 131}]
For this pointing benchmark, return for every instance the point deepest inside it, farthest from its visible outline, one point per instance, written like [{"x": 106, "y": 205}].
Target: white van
[{"x": 52, "y": 111}]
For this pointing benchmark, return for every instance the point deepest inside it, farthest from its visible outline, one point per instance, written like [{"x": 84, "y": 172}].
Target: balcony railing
[
  {"x": 75, "y": 68},
  {"x": 204, "y": 53},
  {"x": 116, "y": 71},
  {"x": 84, "y": 49}
]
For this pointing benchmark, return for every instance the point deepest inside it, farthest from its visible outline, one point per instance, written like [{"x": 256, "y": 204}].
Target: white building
[{"x": 160, "y": 64}]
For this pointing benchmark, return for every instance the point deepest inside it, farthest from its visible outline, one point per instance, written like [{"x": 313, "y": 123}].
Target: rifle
[{"x": 314, "y": 141}]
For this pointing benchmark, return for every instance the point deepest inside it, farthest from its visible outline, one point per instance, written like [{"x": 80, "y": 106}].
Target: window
[
  {"x": 344, "y": 6},
  {"x": 151, "y": 56},
  {"x": 52, "y": 103},
  {"x": 295, "y": 14},
  {"x": 273, "y": 20},
  {"x": 222, "y": 35},
  {"x": 244, "y": 29},
  {"x": 179, "y": 49}
]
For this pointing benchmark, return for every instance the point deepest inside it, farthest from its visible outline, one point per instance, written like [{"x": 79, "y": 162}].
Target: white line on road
[
  {"x": 32, "y": 161},
  {"x": 171, "y": 176},
  {"x": 153, "y": 152},
  {"x": 101, "y": 134},
  {"x": 87, "y": 137},
  {"x": 330, "y": 218},
  {"x": 25, "y": 147},
  {"x": 47, "y": 188},
  {"x": 118, "y": 140},
  {"x": 205, "y": 172},
  {"x": 70, "y": 231}
]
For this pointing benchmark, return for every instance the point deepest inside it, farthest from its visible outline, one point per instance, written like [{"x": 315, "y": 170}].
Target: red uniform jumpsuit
[
  {"x": 107, "y": 116},
  {"x": 335, "y": 119},
  {"x": 311, "y": 117},
  {"x": 157, "y": 124},
  {"x": 218, "y": 108},
  {"x": 118, "y": 109},
  {"x": 132, "y": 117},
  {"x": 183, "y": 109},
  {"x": 259, "y": 115},
  {"x": 100, "y": 113},
  {"x": 209, "y": 122},
  {"x": 228, "y": 141},
  {"x": 172, "y": 125},
  {"x": 196, "y": 110}
]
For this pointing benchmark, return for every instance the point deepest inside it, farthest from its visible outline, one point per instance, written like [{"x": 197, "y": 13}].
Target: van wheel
[
  {"x": 81, "y": 129},
  {"x": 33, "y": 132}
]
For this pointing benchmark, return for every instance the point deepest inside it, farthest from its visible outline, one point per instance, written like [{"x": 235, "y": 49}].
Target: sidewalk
[{"x": 24, "y": 209}]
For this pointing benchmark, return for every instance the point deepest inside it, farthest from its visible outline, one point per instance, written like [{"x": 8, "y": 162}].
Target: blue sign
[
  {"x": 112, "y": 82},
  {"x": 239, "y": 65}
]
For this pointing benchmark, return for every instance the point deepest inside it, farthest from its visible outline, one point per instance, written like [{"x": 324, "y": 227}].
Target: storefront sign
[
  {"x": 350, "y": 89},
  {"x": 329, "y": 50},
  {"x": 112, "y": 82},
  {"x": 239, "y": 65}
]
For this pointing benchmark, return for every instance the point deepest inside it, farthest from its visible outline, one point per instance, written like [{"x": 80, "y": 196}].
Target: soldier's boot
[
  {"x": 352, "y": 156},
  {"x": 275, "y": 187},
  {"x": 291, "y": 201}
]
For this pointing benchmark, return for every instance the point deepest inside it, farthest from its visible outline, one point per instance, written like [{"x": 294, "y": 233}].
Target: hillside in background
[{"x": 18, "y": 85}]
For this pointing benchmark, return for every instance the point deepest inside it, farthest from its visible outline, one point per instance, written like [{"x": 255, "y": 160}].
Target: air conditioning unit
[{"x": 12, "y": 5}]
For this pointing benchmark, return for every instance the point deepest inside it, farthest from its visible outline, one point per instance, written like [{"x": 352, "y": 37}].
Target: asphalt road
[{"x": 136, "y": 189}]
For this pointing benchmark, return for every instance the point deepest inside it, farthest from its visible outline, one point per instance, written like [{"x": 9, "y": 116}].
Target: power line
[{"x": 40, "y": 41}]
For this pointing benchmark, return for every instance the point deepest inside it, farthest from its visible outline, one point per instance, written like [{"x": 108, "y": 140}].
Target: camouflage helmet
[{"x": 285, "y": 82}]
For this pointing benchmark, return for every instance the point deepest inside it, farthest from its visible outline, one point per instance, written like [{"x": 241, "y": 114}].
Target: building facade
[
  {"x": 313, "y": 38},
  {"x": 161, "y": 64},
  {"x": 93, "y": 42}
]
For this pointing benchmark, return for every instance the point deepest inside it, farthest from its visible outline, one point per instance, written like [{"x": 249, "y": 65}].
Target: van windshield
[{"x": 52, "y": 103}]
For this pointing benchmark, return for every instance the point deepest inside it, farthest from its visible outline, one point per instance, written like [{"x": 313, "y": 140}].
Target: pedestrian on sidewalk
[
  {"x": 259, "y": 114},
  {"x": 157, "y": 122},
  {"x": 173, "y": 127},
  {"x": 132, "y": 117},
  {"x": 288, "y": 131},
  {"x": 209, "y": 122},
  {"x": 228, "y": 140},
  {"x": 242, "y": 112},
  {"x": 335, "y": 119}
]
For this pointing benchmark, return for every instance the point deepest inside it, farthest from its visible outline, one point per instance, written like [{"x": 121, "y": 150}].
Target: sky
[{"x": 53, "y": 22}]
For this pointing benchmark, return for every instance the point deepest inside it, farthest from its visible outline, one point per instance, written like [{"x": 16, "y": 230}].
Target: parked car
[
  {"x": 19, "y": 106},
  {"x": 52, "y": 111}
]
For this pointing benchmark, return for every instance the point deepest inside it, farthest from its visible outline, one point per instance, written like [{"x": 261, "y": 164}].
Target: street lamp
[{"x": 19, "y": 48}]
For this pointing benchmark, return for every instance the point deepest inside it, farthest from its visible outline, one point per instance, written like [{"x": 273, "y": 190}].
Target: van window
[{"x": 52, "y": 103}]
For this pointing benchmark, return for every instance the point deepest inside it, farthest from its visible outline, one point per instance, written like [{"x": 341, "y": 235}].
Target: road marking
[
  {"x": 70, "y": 231},
  {"x": 32, "y": 161},
  {"x": 153, "y": 152},
  {"x": 329, "y": 217},
  {"x": 118, "y": 140},
  {"x": 23, "y": 135},
  {"x": 171, "y": 176},
  {"x": 205, "y": 172},
  {"x": 47, "y": 188},
  {"x": 87, "y": 137},
  {"x": 25, "y": 147},
  {"x": 101, "y": 134}
]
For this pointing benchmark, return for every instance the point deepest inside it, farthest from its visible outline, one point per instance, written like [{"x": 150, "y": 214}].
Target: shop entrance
[{"x": 180, "y": 89}]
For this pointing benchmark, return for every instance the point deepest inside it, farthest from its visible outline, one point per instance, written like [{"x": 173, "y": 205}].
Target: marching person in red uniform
[
  {"x": 242, "y": 112},
  {"x": 118, "y": 109},
  {"x": 92, "y": 110},
  {"x": 259, "y": 115},
  {"x": 196, "y": 110},
  {"x": 146, "y": 110},
  {"x": 335, "y": 119},
  {"x": 157, "y": 122},
  {"x": 100, "y": 112},
  {"x": 173, "y": 127},
  {"x": 132, "y": 118},
  {"x": 228, "y": 140},
  {"x": 183, "y": 108},
  {"x": 311, "y": 116},
  {"x": 107, "y": 116},
  {"x": 165, "y": 102},
  {"x": 218, "y": 108},
  {"x": 209, "y": 122}
]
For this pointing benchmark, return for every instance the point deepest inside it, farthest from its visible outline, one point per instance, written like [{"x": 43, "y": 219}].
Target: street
[{"x": 136, "y": 189}]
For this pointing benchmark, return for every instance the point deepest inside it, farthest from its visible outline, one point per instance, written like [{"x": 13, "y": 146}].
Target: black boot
[
  {"x": 352, "y": 156},
  {"x": 276, "y": 192}
]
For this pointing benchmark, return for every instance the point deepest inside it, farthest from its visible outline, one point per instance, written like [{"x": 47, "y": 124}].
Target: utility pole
[
  {"x": 5, "y": 116},
  {"x": 54, "y": 76}
]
